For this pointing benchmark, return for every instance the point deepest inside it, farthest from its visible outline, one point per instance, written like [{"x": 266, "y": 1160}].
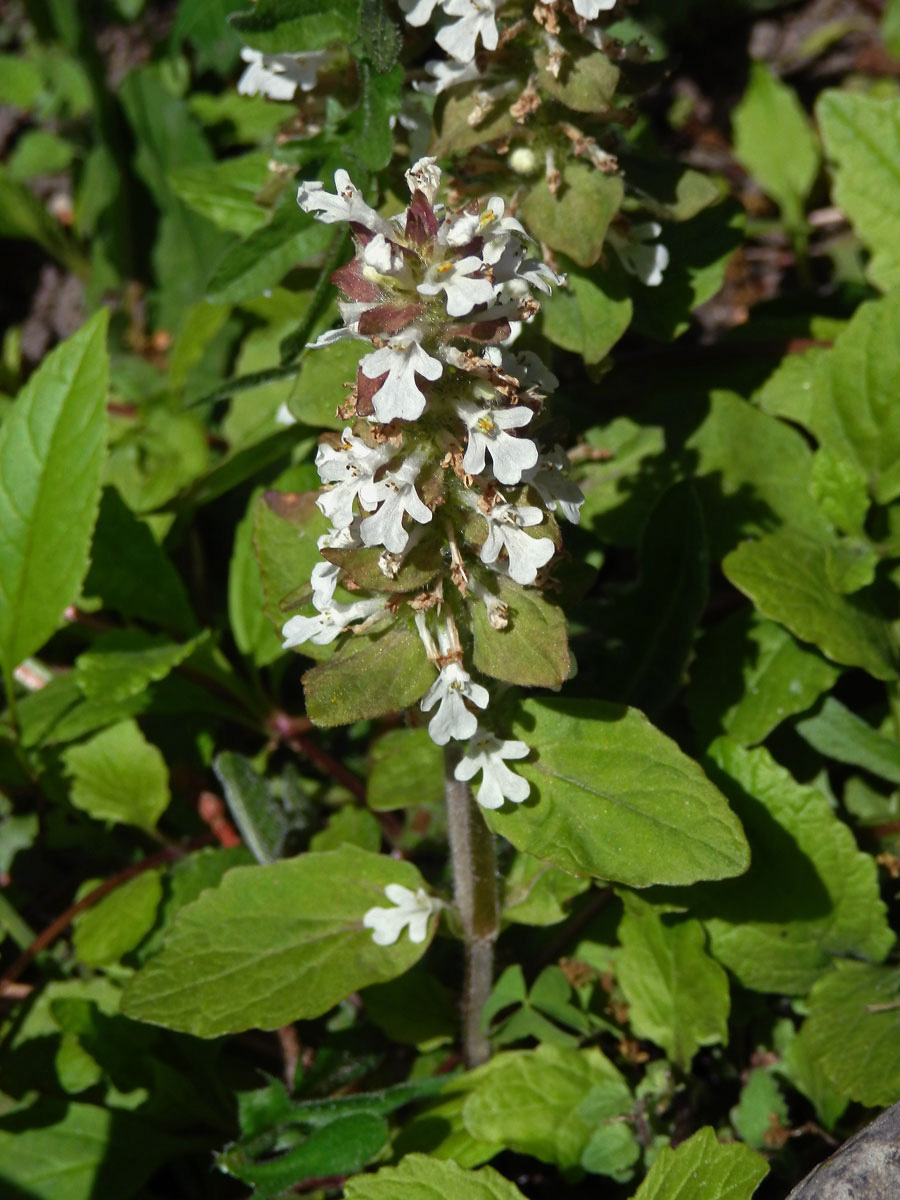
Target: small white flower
[
  {"x": 497, "y": 610},
  {"x": 394, "y": 495},
  {"x": 591, "y": 9},
  {"x": 346, "y": 205},
  {"x": 424, "y": 176},
  {"x": 486, "y": 753},
  {"x": 640, "y": 253},
  {"x": 476, "y": 19},
  {"x": 284, "y": 416},
  {"x": 456, "y": 277},
  {"x": 506, "y": 530},
  {"x": 413, "y": 909},
  {"x": 447, "y": 75},
  {"x": 324, "y": 577},
  {"x": 418, "y": 12},
  {"x": 551, "y": 481},
  {"x": 349, "y": 467},
  {"x": 400, "y": 397},
  {"x": 384, "y": 260},
  {"x": 515, "y": 273},
  {"x": 453, "y": 720},
  {"x": 325, "y": 626},
  {"x": 279, "y": 75},
  {"x": 490, "y": 224},
  {"x": 487, "y": 432}
]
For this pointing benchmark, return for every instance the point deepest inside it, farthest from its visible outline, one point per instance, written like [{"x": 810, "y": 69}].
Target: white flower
[
  {"x": 418, "y": 12},
  {"x": 395, "y": 495},
  {"x": 453, "y": 720},
  {"x": 455, "y": 278},
  {"x": 403, "y": 358},
  {"x": 349, "y": 467},
  {"x": 324, "y": 577},
  {"x": 486, "y": 753},
  {"x": 551, "y": 481},
  {"x": 497, "y": 609},
  {"x": 279, "y": 75},
  {"x": 591, "y": 9},
  {"x": 346, "y": 205},
  {"x": 384, "y": 259},
  {"x": 506, "y": 530},
  {"x": 424, "y": 176},
  {"x": 487, "y": 432},
  {"x": 640, "y": 254},
  {"x": 516, "y": 273},
  {"x": 446, "y": 75},
  {"x": 325, "y": 626},
  {"x": 413, "y": 909},
  {"x": 489, "y": 224},
  {"x": 476, "y": 19}
]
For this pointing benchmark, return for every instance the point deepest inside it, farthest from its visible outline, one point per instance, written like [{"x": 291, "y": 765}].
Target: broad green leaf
[
  {"x": 532, "y": 650},
  {"x": 204, "y": 24},
  {"x": 839, "y": 488},
  {"x": 854, "y": 413},
  {"x": 284, "y": 26},
  {"x": 123, "y": 663},
  {"x": 614, "y": 508},
  {"x": 587, "y": 82},
  {"x": 862, "y": 138},
  {"x": 760, "y": 1105},
  {"x": 286, "y": 529},
  {"x": 749, "y": 675},
  {"x": 321, "y": 386},
  {"x": 786, "y": 577},
  {"x": 225, "y": 192},
  {"x": 531, "y": 1100},
  {"x": 704, "y": 1167},
  {"x": 614, "y": 798},
  {"x": 419, "y": 1177},
  {"x": 804, "y": 1071},
  {"x": 853, "y": 1031},
  {"x": 242, "y": 464},
  {"x": 59, "y": 712},
  {"x": 119, "y": 776},
  {"x": 253, "y": 632},
  {"x": 264, "y": 258},
  {"x": 381, "y": 36},
  {"x": 838, "y": 733},
  {"x": 119, "y": 921},
  {"x": 534, "y": 893},
  {"x": 785, "y": 166},
  {"x": 51, "y": 1150},
  {"x": 677, "y": 995},
  {"x": 454, "y": 131},
  {"x": 589, "y": 313},
  {"x": 407, "y": 769},
  {"x": 259, "y": 816},
  {"x": 20, "y": 81},
  {"x": 788, "y": 392},
  {"x": 809, "y": 895},
  {"x": 342, "y": 1147},
  {"x": 670, "y": 191},
  {"x": 275, "y": 944},
  {"x": 369, "y": 132},
  {"x": 349, "y": 826},
  {"x": 370, "y": 675},
  {"x": 51, "y": 454},
  {"x": 39, "y": 152},
  {"x": 575, "y": 220},
  {"x": 414, "y": 1010}
]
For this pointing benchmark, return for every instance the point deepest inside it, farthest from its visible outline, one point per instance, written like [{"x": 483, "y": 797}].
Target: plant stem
[{"x": 475, "y": 893}]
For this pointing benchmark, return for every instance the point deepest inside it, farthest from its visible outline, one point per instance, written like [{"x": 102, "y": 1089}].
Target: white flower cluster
[
  {"x": 278, "y": 76},
  {"x": 438, "y": 442}
]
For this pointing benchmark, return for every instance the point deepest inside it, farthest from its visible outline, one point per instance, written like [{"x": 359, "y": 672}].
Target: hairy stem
[{"x": 475, "y": 893}]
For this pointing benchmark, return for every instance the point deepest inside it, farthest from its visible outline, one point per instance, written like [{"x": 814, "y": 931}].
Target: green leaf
[
  {"x": 614, "y": 509},
  {"x": 532, "y": 650},
  {"x": 415, "y": 1010},
  {"x": 274, "y": 944},
  {"x": 51, "y": 1150},
  {"x": 454, "y": 131},
  {"x": 534, "y": 893},
  {"x": 264, "y": 258},
  {"x": 838, "y": 733},
  {"x": 809, "y": 895},
  {"x": 862, "y": 138},
  {"x": 349, "y": 826},
  {"x": 785, "y": 575},
  {"x": 839, "y": 488},
  {"x": 286, "y": 26},
  {"x": 677, "y": 995},
  {"x": 320, "y": 387},
  {"x": 760, "y": 1101},
  {"x": 575, "y": 220},
  {"x": 23, "y": 215},
  {"x": 805, "y": 1073},
  {"x": 589, "y": 313},
  {"x": 853, "y": 1031},
  {"x": 286, "y": 529},
  {"x": 259, "y": 817},
  {"x": 407, "y": 769},
  {"x": 890, "y": 27},
  {"x": 119, "y": 776},
  {"x": 749, "y": 676},
  {"x": 119, "y": 921},
  {"x": 369, "y": 134},
  {"x": 370, "y": 675},
  {"x": 342, "y": 1147},
  {"x": 531, "y": 1101},
  {"x": 253, "y": 632},
  {"x": 587, "y": 82},
  {"x": 20, "y": 81},
  {"x": 419, "y": 1177},
  {"x": 854, "y": 413},
  {"x": 381, "y": 36},
  {"x": 614, "y": 798},
  {"x": 788, "y": 392},
  {"x": 39, "y": 152},
  {"x": 51, "y": 455},
  {"x": 225, "y": 192},
  {"x": 785, "y": 166},
  {"x": 702, "y": 1166},
  {"x": 123, "y": 663},
  {"x": 131, "y": 573}
]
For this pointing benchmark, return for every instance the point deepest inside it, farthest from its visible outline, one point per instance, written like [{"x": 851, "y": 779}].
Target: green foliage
[
  {"x": 119, "y": 776},
  {"x": 728, "y": 1172},
  {"x": 419, "y": 1178}
]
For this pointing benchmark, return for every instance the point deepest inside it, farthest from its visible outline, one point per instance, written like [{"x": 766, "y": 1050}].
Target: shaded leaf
[{"x": 119, "y": 776}]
